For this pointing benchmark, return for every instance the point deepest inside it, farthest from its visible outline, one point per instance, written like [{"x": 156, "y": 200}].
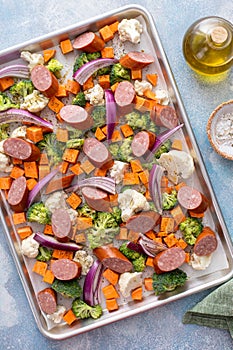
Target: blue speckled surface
[{"x": 160, "y": 328}]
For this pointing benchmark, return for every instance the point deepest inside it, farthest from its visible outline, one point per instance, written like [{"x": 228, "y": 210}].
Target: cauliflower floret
[
  {"x": 73, "y": 215},
  {"x": 200, "y": 262},
  {"x": 130, "y": 202},
  {"x": 56, "y": 317},
  {"x": 21, "y": 131},
  {"x": 84, "y": 259},
  {"x": 34, "y": 102},
  {"x": 1, "y": 146},
  {"x": 141, "y": 86},
  {"x": 32, "y": 58},
  {"x": 95, "y": 95},
  {"x": 129, "y": 281},
  {"x": 177, "y": 164},
  {"x": 117, "y": 171},
  {"x": 130, "y": 29},
  {"x": 30, "y": 247},
  {"x": 56, "y": 200},
  {"x": 5, "y": 163},
  {"x": 162, "y": 96}
]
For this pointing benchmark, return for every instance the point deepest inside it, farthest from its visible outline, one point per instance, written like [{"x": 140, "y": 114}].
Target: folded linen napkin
[{"x": 215, "y": 310}]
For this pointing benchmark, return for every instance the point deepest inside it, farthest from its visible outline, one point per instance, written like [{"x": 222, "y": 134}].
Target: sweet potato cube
[
  {"x": 110, "y": 292},
  {"x": 74, "y": 200},
  {"x": 111, "y": 276},
  {"x": 112, "y": 305},
  {"x": 70, "y": 155},
  {"x": 34, "y": 133}
]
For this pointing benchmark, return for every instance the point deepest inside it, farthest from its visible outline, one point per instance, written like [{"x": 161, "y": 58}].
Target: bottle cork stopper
[{"x": 219, "y": 35}]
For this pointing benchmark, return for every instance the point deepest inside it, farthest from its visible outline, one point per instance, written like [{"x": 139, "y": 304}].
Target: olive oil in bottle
[{"x": 208, "y": 46}]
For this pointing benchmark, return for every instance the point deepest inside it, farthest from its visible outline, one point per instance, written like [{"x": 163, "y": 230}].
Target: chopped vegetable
[
  {"x": 191, "y": 228},
  {"x": 53, "y": 148},
  {"x": 79, "y": 99},
  {"x": 168, "y": 281},
  {"x": 169, "y": 200},
  {"x": 51, "y": 242},
  {"x": 21, "y": 89},
  {"x": 44, "y": 254},
  {"x": 6, "y": 103},
  {"x": 83, "y": 310},
  {"x": 119, "y": 73},
  {"x": 55, "y": 67},
  {"x": 69, "y": 289},
  {"x": 37, "y": 212}
]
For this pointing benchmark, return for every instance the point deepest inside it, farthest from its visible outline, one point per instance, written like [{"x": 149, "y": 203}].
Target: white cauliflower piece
[
  {"x": 117, "y": 171},
  {"x": 129, "y": 281},
  {"x": 141, "y": 86},
  {"x": 73, "y": 215},
  {"x": 30, "y": 247},
  {"x": 21, "y": 131},
  {"x": 5, "y": 163},
  {"x": 95, "y": 95},
  {"x": 84, "y": 259},
  {"x": 177, "y": 164},
  {"x": 56, "y": 200},
  {"x": 200, "y": 262},
  {"x": 56, "y": 317},
  {"x": 34, "y": 102},
  {"x": 32, "y": 58},
  {"x": 162, "y": 96},
  {"x": 130, "y": 202},
  {"x": 130, "y": 29},
  {"x": 1, "y": 146}
]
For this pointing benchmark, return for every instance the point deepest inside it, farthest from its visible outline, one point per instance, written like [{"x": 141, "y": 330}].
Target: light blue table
[{"x": 160, "y": 328}]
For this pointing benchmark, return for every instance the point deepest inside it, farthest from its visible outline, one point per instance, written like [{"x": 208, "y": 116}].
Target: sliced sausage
[
  {"x": 124, "y": 94},
  {"x": 44, "y": 80},
  {"x": 142, "y": 142},
  {"x": 88, "y": 42},
  {"x": 18, "y": 194},
  {"x": 97, "y": 153},
  {"x": 21, "y": 149},
  {"x": 61, "y": 225},
  {"x": 96, "y": 198},
  {"x": 76, "y": 116},
  {"x": 206, "y": 242},
  {"x": 143, "y": 222},
  {"x": 47, "y": 299},
  {"x": 169, "y": 259},
  {"x": 164, "y": 116},
  {"x": 59, "y": 183},
  {"x": 136, "y": 60},
  {"x": 66, "y": 269},
  {"x": 192, "y": 199},
  {"x": 113, "y": 259}
]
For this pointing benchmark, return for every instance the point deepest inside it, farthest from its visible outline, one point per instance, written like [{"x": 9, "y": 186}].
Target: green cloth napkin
[{"x": 215, "y": 310}]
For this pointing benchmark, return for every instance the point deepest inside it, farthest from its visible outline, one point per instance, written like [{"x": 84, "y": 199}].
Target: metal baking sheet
[{"x": 222, "y": 268}]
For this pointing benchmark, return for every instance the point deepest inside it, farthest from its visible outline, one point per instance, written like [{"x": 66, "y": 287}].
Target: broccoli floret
[
  {"x": 103, "y": 71},
  {"x": 55, "y": 67},
  {"x": 69, "y": 289},
  {"x": 83, "y": 310},
  {"x": 79, "y": 99},
  {"x": 75, "y": 143},
  {"x": 52, "y": 147},
  {"x": 4, "y": 131},
  {"x": 22, "y": 89},
  {"x": 103, "y": 230},
  {"x": 93, "y": 56},
  {"x": 119, "y": 73},
  {"x": 116, "y": 212},
  {"x": 86, "y": 211},
  {"x": 113, "y": 149},
  {"x": 140, "y": 121},
  {"x": 139, "y": 264},
  {"x": 99, "y": 116},
  {"x": 37, "y": 212},
  {"x": 191, "y": 228},
  {"x": 168, "y": 281},
  {"x": 124, "y": 152},
  {"x": 74, "y": 133},
  {"x": 6, "y": 103},
  {"x": 44, "y": 254},
  {"x": 169, "y": 200},
  {"x": 80, "y": 61},
  {"x": 164, "y": 148}
]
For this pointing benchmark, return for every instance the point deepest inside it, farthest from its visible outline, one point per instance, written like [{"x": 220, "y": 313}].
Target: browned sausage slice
[
  {"x": 142, "y": 142},
  {"x": 97, "y": 153},
  {"x": 47, "y": 299},
  {"x": 18, "y": 194},
  {"x": 88, "y": 42},
  {"x": 169, "y": 259},
  {"x": 136, "y": 60},
  {"x": 124, "y": 93},
  {"x": 192, "y": 199},
  {"x": 44, "y": 80},
  {"x": 61, "y": 225},
  {"x": 76, "y": 116},
  {"x": 66, "y": 269},
  {"x": 21, "y": 149},
  {"x": 164, "y": 116},
  {"x": 206, "y": 242},
  {"x": 143, "y": 222},
  {"x": 96, "y": 198},
  {"x": 113, "y": 259}
]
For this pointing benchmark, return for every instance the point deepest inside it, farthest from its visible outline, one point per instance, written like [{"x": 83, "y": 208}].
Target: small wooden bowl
[{"x": 217, "y": 129}]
